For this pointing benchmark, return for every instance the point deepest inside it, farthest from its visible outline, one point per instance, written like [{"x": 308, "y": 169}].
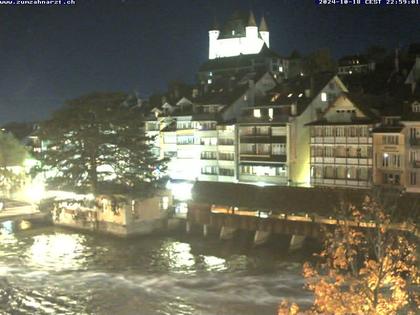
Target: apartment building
[
  {"x": 262, "y": 144},
  {"x": 341, "y": 143}
]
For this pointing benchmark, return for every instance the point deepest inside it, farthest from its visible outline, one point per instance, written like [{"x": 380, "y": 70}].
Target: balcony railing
[
  {"x": 203, "y": 157},
  {"x": 416, "y": 164},
  {"x": 415, "y": 141}
]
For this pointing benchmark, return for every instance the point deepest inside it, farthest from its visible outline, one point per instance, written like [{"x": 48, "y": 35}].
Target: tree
[
  {"x": 12, "y": 157},
  {"x": 319, "y": 61},
  {"x": 371, "y": 270},
  {"x": 97, "y": 143}
]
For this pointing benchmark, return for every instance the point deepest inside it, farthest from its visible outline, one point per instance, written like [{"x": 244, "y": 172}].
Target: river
[{"x": 48, "y": 270}]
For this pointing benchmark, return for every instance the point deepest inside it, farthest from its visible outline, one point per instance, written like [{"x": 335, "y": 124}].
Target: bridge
[
  {"x": 298, "y": 212},
  {"x": 17, "y": 210}
]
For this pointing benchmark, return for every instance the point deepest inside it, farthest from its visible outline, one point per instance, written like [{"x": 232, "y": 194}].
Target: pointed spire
[
  {"x": 215, "y": 26},
  {"x": 251, "y": 20},
  {"x": 263, "y": 25}
]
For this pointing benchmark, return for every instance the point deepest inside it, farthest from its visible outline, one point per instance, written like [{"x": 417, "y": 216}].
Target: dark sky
[{"x": 52, "y": 53}]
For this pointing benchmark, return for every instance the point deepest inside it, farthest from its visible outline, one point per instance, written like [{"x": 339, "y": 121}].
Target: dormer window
[
  {"x": 323, "y": 96},
  {"x": 415, "y": 107}
]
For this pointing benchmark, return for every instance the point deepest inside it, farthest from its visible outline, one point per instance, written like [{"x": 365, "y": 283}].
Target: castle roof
[
  {"x": 263, "y": 25},
  {"x": 236, "y": 24},
  {"x": 251, "y": 20}
]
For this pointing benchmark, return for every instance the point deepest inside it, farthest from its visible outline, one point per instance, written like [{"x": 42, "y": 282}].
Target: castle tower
[
  {"x": 264, "y": 32},
  {"x": 214, "y": 33},
  {"x": 251, "y": 29},
  {"x": 239, "y": 35}
]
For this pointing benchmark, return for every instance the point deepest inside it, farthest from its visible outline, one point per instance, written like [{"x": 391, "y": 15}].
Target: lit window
[
  {"x": 323, "y": 96},
  {"x": 416, "y": 107},
  {"x": 209, "y": 81},
  {"x": 245, "y": 97},
  {"x": 280, "y": 68},
  {"x": 300, "y": 95},
  {"x": 270, "y": 113},
  {"x": 233, "y": 32},
  {"x": 290, "y": 95},
  {"x": 275, "y": 97},
  {"x": 210, "y": 74},
  {"x": 257, "y": 113},
  {"x": 165, "y": 203}
]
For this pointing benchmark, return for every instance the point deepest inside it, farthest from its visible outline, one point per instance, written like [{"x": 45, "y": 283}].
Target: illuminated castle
[{"x": 239, "y": 36}]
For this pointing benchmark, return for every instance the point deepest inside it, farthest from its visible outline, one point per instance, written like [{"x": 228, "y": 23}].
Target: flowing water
[{"x": 57, "y": 271}]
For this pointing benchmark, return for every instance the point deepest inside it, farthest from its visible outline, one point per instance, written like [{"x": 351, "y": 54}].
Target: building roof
[
  {"x": 263, "y": 25},
  {"x": 251, "y": 19},
  {"x": 293, "y": 91},
  {"x": 235, "y": 26},
  {"x": 223, "y": 96},
  {"x": 284, "y": 199},
  {"x": 388, "y": 129}
]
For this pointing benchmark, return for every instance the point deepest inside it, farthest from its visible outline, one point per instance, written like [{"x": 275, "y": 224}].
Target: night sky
[{"x": 49, "y": 54}]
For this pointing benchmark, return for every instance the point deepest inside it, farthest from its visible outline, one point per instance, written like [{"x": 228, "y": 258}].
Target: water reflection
[
  {"x": 179, "y": 256},
  {"x": 58, "y": 251},
  {"x": 53, "y": 271}
]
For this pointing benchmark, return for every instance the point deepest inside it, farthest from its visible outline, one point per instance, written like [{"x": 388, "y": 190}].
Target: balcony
[
  {"x": 415, "y": 142},
  {"x": 415, "y": 164},
  {"x": 203, "y": 157}
]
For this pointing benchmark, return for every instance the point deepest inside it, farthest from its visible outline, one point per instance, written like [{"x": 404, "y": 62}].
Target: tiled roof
[
  {"x": 293, "y": 91},
  {"x": 388, "y": 129}
]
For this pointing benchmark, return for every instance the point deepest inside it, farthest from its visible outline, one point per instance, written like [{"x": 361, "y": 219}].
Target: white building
[{"x": 239, "y": 36}]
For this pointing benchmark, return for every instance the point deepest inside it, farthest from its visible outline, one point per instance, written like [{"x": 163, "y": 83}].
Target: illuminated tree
[
  {"x": 12, "y": 156},
  {"x": 371, "y": 270},
  {"x": 97, "y": 144}
]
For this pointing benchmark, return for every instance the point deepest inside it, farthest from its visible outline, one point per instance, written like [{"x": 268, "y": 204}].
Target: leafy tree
[
  {"x": 97, "y": 144},
  {"x": 319, "y": 61},
  {"x": 12, "y": 156},
  {"x": 370, "y": 271}
]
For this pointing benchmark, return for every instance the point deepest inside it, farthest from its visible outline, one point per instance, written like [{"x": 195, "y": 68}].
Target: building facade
[
  {"x": 240, "y": 35},
  {"x": 341, "y": 145}
]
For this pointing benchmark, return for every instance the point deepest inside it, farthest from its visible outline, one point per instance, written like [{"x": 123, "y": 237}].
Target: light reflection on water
[{"x": 53, "y": 271}]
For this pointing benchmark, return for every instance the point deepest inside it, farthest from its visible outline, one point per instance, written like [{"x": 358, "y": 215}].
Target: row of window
[
  {"x": 262, "y": 131},
  {"x": 341, "y": 151},
  {"x": 203, "y": 125},
  {"x": 214, "y": 170},
  {"x": 212, "y": 155},
  {"x": 395, "y": 179},
  {"x": 390, "y": 160},
  {"x": 263, "y": 148},
  {"x": 263, "y": 170},
  {"x": 340, "y": 131},
  {"x": 341, "y": 172},
  {"x": 186, "y": 140},
  {"x": 393, "y": 140}
]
